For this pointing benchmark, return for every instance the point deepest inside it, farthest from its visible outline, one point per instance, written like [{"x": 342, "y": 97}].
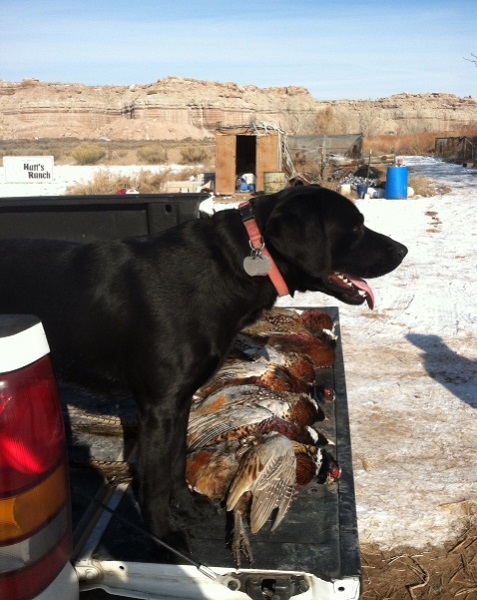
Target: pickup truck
[{"x": 66, "y": 528}]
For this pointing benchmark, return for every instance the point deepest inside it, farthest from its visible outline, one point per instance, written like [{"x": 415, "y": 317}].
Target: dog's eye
[{"x": 358, "y": 229}]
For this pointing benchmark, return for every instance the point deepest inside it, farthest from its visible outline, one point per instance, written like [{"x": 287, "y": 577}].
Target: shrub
[
  {"x": 425, "y": 187},
  {"x": 106, "y": 183},
  {"x": 88, "y": 154},
  {"x": 193, "y": 154},
  {"x": 154, "y": 154}
]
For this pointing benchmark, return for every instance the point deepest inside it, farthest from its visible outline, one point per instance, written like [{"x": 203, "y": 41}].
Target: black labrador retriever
[{"x": 157, "y": 315}]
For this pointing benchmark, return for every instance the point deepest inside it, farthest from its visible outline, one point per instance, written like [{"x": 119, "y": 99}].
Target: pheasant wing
[{"x": 268, "y": 471}]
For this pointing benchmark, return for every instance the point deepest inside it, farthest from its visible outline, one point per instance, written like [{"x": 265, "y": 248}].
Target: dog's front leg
[
  {"x": 187, "y": 505},
  {"x": 180, "y": 493}
]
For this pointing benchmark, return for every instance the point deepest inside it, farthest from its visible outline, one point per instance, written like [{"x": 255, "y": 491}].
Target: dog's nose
[{"x": 399, "y": 250}]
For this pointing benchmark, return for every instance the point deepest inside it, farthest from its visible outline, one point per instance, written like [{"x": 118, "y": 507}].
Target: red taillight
[
  {"x": 32, "y": 439},
  {"x": 35, "y": 524}
]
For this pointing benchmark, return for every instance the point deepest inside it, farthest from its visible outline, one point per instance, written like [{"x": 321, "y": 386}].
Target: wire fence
[
  {"x": 314, "y": 148},
  {"x": 461, "y": 148}
]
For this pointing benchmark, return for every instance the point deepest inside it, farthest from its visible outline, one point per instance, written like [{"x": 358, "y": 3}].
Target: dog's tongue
[{"x": 362, "y": 285}]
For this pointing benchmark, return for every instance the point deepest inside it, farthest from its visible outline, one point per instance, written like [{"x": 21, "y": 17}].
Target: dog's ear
[{"x": 295, "y": 232}]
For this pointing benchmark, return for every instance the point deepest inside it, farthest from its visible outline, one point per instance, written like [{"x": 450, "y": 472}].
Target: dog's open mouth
[{"x": 352, "y": 290}]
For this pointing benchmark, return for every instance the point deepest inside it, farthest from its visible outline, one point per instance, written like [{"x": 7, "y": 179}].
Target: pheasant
[
  {"x": 238, "y": 411},
  {"x": 254, "y": 477}
]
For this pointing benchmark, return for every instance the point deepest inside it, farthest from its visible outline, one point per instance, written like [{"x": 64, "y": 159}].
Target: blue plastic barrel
[
  {"x": 396, "y": 183},
  {"x": 361, "y": 189}
]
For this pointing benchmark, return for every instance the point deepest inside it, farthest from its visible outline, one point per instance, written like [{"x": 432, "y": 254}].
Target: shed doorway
[{"x": 246, "y": 154}]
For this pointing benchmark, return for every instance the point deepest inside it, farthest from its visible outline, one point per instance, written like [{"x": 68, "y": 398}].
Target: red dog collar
[{"x": 259, "y": 249}]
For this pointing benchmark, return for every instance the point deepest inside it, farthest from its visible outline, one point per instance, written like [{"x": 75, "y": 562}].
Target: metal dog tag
[{"x": 257, "y": 265}]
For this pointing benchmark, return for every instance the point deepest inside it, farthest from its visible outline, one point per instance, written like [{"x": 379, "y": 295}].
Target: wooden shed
[{"x": 256, "y": 149}]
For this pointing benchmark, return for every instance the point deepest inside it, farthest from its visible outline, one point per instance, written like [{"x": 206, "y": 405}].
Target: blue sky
[{"x": 336, "y": 49}]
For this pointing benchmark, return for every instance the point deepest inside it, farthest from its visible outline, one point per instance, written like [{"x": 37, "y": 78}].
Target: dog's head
[{"x": 320, "y": 243}]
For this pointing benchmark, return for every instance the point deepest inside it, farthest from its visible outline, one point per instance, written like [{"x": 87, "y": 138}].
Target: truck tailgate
[{"x": 318, "y": 536}]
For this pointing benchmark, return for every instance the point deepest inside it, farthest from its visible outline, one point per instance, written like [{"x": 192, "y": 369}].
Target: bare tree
[{"x": 473, "y": 59}]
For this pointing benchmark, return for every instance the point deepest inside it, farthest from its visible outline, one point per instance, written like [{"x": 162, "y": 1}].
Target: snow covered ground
[
  {"x": 411, "y": 368},
  {"x": 411, "y": 364}
]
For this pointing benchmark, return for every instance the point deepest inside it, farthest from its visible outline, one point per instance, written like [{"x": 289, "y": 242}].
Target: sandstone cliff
[{"x": 174, "y": 108}]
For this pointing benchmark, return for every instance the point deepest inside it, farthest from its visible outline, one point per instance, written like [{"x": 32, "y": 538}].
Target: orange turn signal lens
[{"x": 23, "y": 514}]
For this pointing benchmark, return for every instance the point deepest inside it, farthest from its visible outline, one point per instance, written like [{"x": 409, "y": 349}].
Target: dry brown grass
[
  {"x": 145, "y": 182},
  {"x": 105, "y": 182},
  {"x": 425, "y": 187},
  {"x": 413, "y": 144},
  {"x": 128, "y": 152},
  {"x": 115, "y": 152},
  {"x": 445, "y": 573}
]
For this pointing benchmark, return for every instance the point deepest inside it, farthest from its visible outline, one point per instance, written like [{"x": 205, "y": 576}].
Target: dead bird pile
[{"x": 251, "y": 441}]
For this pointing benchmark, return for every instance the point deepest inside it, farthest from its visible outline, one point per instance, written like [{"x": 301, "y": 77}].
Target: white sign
[{"x": 28, "y": 169}]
